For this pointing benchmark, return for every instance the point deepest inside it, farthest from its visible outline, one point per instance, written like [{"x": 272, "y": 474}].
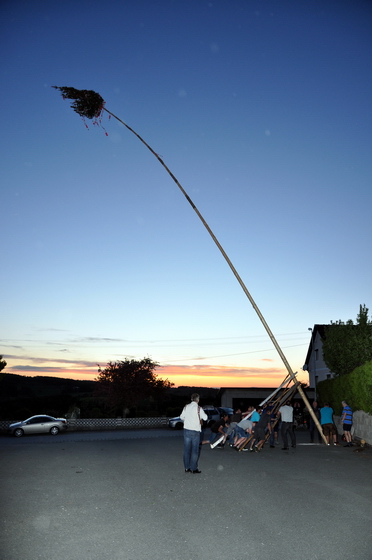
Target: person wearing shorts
[
  {"x": 326, "y": 421},
  {"x": 347, "y": 422},
  {"x": 243, "y": 431}
]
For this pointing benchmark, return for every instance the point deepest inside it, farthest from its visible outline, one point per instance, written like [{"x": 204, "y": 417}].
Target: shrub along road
[{"x": 129, "y": 498}]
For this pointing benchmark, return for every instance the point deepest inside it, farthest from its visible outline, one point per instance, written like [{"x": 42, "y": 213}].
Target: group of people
[
  {"x": 325, "y": 417},
  {"x": 253, "y": 426},
  {"x": 242, "y": 427}
]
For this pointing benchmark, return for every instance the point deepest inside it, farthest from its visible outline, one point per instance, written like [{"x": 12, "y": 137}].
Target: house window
[{"x": 316, "y": 354}]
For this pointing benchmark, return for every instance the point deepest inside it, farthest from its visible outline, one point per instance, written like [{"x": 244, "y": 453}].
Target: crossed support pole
[{"x": 282, "y": 394}]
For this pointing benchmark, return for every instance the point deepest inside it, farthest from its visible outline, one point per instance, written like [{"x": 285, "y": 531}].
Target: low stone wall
[
  {"x": 94, "y": 424},
  {"x": 362, "y": 426}
]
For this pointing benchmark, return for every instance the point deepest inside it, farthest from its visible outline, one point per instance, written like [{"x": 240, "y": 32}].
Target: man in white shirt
[
  {"x": 192, "y": 416},
  {"x": 286, "y": 414}
]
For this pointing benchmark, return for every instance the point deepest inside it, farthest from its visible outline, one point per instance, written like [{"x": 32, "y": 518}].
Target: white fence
[
  {"x": 94, "y": 424},
  {"x": 362, "y": 426}
]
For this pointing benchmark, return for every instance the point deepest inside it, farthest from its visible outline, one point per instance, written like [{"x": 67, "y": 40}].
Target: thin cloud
[
  {"x": 96, "y": 339},
  {"x": 52, "y": 329},
  {"x": 215, "y": 371},
  {"x": 38, "y": 369},
  {"x": 38, "y": 360}
]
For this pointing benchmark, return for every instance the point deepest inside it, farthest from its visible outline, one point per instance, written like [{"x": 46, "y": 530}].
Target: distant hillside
[
  {"x": 21, "y": 397},
  {"x": 16, "y": 386}
]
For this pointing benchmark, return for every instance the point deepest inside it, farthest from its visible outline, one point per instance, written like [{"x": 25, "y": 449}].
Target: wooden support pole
[{"x": 311, "y": 412}]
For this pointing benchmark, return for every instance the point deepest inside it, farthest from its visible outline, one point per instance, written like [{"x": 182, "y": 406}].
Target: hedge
[{"x": 354, "y": 387}]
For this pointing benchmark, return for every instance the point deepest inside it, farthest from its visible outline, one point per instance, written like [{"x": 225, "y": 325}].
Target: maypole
[{"x": 89, "y": 104}]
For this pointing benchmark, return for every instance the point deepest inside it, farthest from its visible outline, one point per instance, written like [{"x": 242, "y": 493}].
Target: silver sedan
[{"x": 38, "y": 425}]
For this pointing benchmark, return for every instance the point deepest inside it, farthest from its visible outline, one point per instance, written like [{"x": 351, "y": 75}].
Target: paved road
[
  {"x": 100, "y": 435},
  {"x": 128, "y": 498}
]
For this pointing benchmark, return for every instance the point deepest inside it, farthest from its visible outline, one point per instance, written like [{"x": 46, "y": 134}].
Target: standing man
[
  {"x": 326, "y": 421},
  {"x": 192, "y": 416},
  {"x": 286, "y": 414},
  {"x": 312, "y": 424},
  {"x": 347, "y": 422}
]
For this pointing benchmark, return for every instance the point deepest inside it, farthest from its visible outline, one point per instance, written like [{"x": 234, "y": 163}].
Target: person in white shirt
[
  {"x": 286, "y": 413},
  {"x": 192, "y": 416}
]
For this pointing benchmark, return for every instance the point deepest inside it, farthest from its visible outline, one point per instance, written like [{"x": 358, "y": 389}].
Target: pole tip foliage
[{"x": 86, "y": 102}]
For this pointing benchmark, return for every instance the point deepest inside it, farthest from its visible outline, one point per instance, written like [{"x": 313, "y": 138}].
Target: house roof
[{"x": 316, "y": 329}]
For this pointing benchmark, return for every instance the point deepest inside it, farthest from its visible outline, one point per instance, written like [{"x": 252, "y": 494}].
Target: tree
[
  {"x": 2, "y": 363},
  {"x": 2, "y": 366},
  {"x": 347, "y": 345},
  {"x": 126, "y": 383}
]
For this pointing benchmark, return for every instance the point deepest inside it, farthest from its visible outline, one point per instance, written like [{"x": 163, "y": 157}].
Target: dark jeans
[
  {"x": 287, "y": 428},
  {"x": 191, "y": 441},
  {"x": 273, "y": 430},
  {"x": 313, "y": 427}
]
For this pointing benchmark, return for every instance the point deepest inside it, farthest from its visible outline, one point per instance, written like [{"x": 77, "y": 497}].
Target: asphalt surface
[{"x": 125, "y": 495}]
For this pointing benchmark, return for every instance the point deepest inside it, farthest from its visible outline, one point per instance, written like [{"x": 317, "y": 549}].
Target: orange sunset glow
[{"x": 193, "y": 376}]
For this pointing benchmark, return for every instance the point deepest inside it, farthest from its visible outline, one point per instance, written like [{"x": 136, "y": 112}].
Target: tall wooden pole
[{"x": 234, "y": 271}]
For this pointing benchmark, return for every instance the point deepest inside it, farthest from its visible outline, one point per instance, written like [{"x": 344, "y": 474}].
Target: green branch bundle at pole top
[{"x": 90, "y": 105}]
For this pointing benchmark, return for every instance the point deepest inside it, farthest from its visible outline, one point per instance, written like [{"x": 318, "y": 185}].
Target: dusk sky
[{"x": 261, "y": 109}]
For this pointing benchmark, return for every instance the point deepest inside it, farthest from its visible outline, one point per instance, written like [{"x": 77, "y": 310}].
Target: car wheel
[
  {"x": 54, "y": 431},
  {"x": 18, "y": 432},
  {"x": 179, "y": 426}
]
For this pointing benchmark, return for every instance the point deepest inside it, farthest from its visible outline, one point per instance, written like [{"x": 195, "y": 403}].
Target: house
[
  {"x": 314, "y": 362},
  {"x": 238, "y": 397}
]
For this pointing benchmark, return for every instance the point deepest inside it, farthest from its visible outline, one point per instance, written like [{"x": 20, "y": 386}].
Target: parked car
[
  {"x": 41, "y": 424},
  {"x": 226, "y": 410},
  {"x": 213, "y": 413},
  {"x": 175, "y": 423}
]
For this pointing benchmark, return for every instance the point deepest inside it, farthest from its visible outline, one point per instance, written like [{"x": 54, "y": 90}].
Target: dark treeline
[{"x": 21, "y": 397}]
